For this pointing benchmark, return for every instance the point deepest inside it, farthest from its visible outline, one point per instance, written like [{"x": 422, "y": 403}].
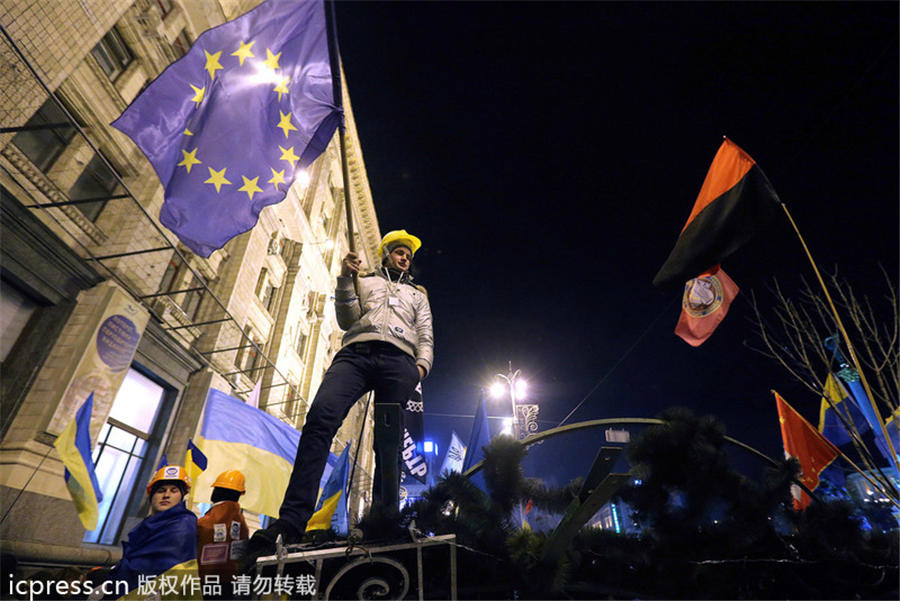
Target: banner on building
[{"x": 101, "y": 354}]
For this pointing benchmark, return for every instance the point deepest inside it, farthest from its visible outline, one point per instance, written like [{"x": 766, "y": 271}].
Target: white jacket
[{"x": 392, "y": 311}]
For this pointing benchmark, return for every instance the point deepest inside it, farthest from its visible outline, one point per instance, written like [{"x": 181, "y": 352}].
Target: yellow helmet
[
  {"x": 402, "y": 236},
  {"x": 231, "y": 479},
  {"x": 170, "y": 472}
]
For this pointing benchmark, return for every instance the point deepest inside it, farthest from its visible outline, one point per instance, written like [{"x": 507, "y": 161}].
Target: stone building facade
[{"x": 97, "y": 297}]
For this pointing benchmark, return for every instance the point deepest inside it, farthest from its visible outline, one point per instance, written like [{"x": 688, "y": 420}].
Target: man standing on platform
[{"x": 388, "y": 348}]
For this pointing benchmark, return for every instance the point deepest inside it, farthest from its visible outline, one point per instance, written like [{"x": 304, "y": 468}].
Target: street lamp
[
  {"x": 524, "y": 416},
  {"x": 528, "y": 413}
]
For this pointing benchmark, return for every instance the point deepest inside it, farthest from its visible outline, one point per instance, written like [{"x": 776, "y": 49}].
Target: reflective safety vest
[{"x": 221, "y": 538}]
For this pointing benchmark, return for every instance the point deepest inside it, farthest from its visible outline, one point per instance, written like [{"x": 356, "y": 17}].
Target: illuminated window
[
  {"x": 15, "y": 311},
  {"x": 124, "y": 444}
]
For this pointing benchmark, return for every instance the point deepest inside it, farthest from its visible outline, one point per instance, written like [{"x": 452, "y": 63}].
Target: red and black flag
[{"x": 735, "y": 202}]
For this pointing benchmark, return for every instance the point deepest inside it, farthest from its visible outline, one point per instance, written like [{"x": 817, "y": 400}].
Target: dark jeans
[{"x": 356, "y": 369}]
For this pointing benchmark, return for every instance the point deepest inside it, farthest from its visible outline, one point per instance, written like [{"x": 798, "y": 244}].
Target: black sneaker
[{"x": 262, "y": 543}]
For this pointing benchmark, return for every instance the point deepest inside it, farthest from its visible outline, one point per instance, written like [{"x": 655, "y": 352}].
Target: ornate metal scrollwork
[
  {"x": 526, "y": 421},
  {"x": 382, "y": 578}
]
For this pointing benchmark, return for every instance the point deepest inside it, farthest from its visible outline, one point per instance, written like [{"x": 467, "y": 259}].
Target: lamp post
[
  {"x": 524, "y": 416},
  {"x": 528, "y": 412}
]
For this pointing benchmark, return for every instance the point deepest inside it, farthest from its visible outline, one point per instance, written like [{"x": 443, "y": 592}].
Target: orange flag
[
  {"x": 804, "y": 443},
  {"x": 704, "y": 305}
]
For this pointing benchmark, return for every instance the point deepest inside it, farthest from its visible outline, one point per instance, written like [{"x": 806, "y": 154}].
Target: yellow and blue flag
[
  {"x": 235, "y": 435},
  {"x": 331, "y": 510},
  {"x": 830, "y": 423},
  {"x": 74, "y": 448},
  {"x": 194, "y": 460},
  {"x": 164, "y": 545},
  {"x": 228, "y": 126}
]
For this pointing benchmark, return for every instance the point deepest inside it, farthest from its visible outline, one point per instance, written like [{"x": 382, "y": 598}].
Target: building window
[
  {"x": 123, "y": 446},
  {"x": 112, "y": 54},
  {"x": 182, "y": 43},
  {"x": 168, "y": 279},
  {"x": 247, "y": 359},
  {"x": 15, "y": 311},
  {"x": 165, "y": 7},
  {"x": 265, "y": 291},
  {"x": 300, "y": 345},
  {"x": 192, "y": 299},
  {"x": 49, "y": 132},
  {"x": 96, "y": 181}
]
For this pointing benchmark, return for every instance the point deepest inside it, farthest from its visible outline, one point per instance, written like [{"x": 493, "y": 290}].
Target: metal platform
[{"x": 359, "y": 556}]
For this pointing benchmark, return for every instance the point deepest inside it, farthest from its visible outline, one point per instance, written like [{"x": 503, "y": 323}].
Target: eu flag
[{"x": 229, "y": 125}]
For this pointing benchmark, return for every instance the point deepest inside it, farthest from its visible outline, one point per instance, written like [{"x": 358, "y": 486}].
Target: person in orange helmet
[
  {"x": 164, "y": 542},
  {"x": 222, "y": 534}
]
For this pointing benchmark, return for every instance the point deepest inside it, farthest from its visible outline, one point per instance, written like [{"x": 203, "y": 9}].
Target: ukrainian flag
[
  {"x": 235, "y": 435},
  {"x": 74, "y": 448},
  {"x": 331, "y": 510},
  {"x": 159, "y": 559},
  {"x": 195, "y": 461}
]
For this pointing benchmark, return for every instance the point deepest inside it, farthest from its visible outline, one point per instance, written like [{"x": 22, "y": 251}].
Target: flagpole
[
  {"x": 846, "y": 337},
  {"x": 855, "y": 438},
  {"x": 359, "y": 441},
  {"x": 30, "y": 478},
  {"x": 334, "y": 56}
]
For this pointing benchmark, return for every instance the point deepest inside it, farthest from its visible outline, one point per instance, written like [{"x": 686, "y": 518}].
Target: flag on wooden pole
[
  {"x": 229, "y": 126},
  {"x": 804, "y": 443},
  {"x": 735, "y": 202}
]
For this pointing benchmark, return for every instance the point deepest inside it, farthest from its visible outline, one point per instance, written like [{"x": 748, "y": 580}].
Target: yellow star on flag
[
  {"x": 190, "y": 159},
  {"x": 198, "y": 94},
  {"x": 217, "y": 178},
  {"x": 285, "y": 123},
  {"x": 188, "y": 132},
  {"x": 212, "y": 63},
  {"x": 250, "y": 186},
  {"x": 271, "y": 59},
  {"x": 281, "y": 88},
  {"x": 288, "y": 155},
  {"x": 277, "y": 178},
  {"x": 244, "y": 52}
]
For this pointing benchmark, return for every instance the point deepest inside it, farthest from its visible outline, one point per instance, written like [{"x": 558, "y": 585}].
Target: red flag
[
  {"x": 704, "y": 305},
  {"x": 803, "y": 442},
  {"x": 528, "y": 506},
  {"x": 735, "y": 202}
]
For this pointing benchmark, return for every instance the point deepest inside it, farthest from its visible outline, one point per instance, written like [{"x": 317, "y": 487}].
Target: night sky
[{"x": 548, "y": 154}]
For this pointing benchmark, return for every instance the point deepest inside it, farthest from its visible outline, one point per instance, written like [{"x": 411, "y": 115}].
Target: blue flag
[
  {"x": 74, "y": 448},
  {"x": 331, "y": 510},
  {"x": 830, "y": 424},
  {"x": 228, "y": 126},
  {"x": 851, "y": 379},
  {"x": 480, "y": 437},
  {"x": 165, "y": 545},
  {"x": 163, "y": 462}
]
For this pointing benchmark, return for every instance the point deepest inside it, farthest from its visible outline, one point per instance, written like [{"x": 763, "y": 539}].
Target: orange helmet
[
  {"x": 170, "y": 472},
  {"x": 231, "y": 479}
]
